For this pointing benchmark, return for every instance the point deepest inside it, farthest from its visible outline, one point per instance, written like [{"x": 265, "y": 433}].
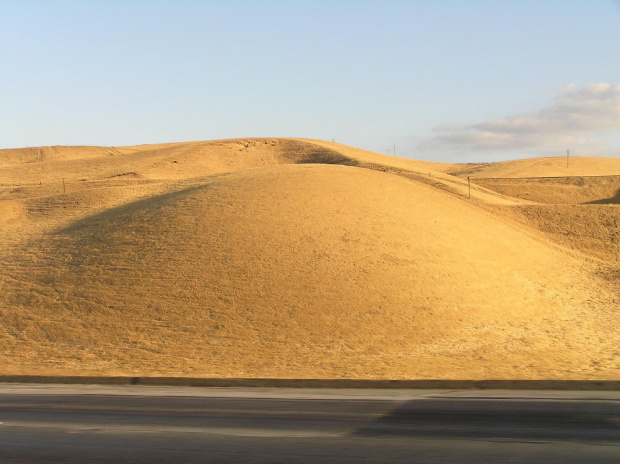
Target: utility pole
[{"x": 567, "y": 152}]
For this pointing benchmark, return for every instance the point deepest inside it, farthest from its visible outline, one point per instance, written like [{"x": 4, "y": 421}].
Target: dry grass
[
  {"x": 559, "y": 190},
  {"x": 291, "y": 258},
  {"x": 542, "y": 167},
  {"x": 578, "y": 208}
]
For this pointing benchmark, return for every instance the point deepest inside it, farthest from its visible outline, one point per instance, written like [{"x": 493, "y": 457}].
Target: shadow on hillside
[
  {"x": 326, "y": 157},
  {"x": 615, "y": 200},
  {"x": 127, "y": 209}
]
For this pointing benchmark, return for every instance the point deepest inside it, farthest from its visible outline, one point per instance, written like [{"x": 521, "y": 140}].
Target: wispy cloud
[{"x": 575, "y": 116}]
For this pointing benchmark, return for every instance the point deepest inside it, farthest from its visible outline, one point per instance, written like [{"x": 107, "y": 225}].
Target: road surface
[{"x": 129, "y": 424}]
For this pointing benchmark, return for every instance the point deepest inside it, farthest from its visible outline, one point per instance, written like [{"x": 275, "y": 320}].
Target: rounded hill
[{"x": 306, "y": 270}]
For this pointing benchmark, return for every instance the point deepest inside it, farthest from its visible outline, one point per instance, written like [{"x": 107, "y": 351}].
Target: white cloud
[{"x": 575, "y": 116}]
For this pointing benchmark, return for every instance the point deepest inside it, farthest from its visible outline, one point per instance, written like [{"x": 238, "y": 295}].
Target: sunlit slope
[
  {"x": 45, "y": 165},
  {"x": 304, "y": 271},
  {"x": 430, "y": 173},
  {"x": 48, "y": 187},
  {"x": 153, "y": 162}
]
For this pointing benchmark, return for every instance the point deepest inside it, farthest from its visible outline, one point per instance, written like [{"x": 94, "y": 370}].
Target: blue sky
[{"x": 468, "y": 80}]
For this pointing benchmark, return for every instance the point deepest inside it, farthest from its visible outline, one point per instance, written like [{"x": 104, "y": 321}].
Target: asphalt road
[{"x": 77, "y": 424}]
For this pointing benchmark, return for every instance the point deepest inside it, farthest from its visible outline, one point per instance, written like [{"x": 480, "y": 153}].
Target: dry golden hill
[
  {"x": 577, "y": 206},
  {"x": 47, "y": 187},
  {"x": 558, "y": 190},
  {"x": 549, "y": 180},
  {"x": 287, "y": 258},
  {"x": 541, "y": 167}
]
